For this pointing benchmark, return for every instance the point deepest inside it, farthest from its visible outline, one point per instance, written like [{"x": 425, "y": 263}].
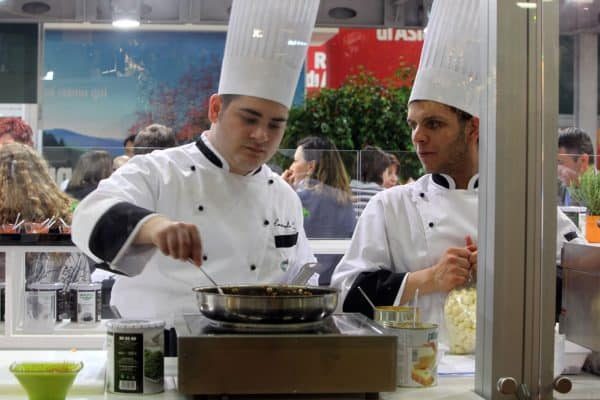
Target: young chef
[
  {"x": 423, "y": 234},
  {"x": 214, "y": 201}
]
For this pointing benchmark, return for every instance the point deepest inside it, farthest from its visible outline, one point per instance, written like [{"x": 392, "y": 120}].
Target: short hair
[
  {"x": 130, "y": 138},
  {"x": 153, "y": 137},
  {"x": 576, "y": 141},
  {"x": 18, "y": 129},
  {"x": 462, "y": 116},
  {"x": 91, "y": 168},
  {"x": 226, "y": 99},
  {"x": 373, "y": 161}
]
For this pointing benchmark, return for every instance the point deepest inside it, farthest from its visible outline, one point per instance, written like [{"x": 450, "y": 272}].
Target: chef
[
  {"x": 423, "y": 235},
  {"x": 213, "y": 201}
]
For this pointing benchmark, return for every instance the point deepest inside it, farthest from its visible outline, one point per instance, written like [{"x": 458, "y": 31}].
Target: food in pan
[{"x": 273, "y": 291}]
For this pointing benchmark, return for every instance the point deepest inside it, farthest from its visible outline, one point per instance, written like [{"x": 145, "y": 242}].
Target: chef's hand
[
  {"x": 176, "y": 239},
  {"x": 472, "y": 247},
  {"x": 452, "y": 270}
]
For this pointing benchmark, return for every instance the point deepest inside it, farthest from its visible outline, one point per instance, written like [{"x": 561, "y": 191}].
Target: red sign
[{"x": 380, "y": 51}]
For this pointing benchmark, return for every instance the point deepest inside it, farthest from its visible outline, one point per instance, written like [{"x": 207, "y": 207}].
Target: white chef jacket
[
  {"x": 251, "y": 228},
  {"x": 408, "y": 228}
]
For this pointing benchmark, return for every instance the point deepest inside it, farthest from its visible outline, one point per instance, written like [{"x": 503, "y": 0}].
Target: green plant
[
  {"x": 363, "y": 111},
  {"x": 587, "y": 191}
]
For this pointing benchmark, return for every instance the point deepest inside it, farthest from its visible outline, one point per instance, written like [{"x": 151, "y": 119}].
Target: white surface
[{"x": 574, "y": 357}]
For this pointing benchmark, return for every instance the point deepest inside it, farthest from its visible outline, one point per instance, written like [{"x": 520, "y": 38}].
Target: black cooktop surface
[{"x": 337, "y": 325}]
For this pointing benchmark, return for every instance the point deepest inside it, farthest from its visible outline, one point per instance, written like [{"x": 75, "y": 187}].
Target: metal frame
[
  {"x": 518, "y": 223},
  {"x": 502, "y": 223}
]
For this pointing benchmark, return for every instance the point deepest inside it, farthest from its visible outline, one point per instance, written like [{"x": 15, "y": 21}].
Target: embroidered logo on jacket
[{"x": 285, "y": 225}]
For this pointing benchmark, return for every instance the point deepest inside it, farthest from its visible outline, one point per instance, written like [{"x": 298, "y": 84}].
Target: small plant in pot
[{"x": 587, "y": 192}]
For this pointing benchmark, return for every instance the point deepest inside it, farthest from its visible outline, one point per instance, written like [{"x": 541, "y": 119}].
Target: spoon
[
  {"x": 208, "y": 277},
  {"x": 366, "y": 298},
  {"x": 416, "y": 306}
]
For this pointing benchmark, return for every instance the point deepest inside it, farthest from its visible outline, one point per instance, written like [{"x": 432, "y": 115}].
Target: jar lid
[
  {"x": 133, "y": 324},
  {"x": 86, "y": 286},
  {"x": 47, "y": 285}
]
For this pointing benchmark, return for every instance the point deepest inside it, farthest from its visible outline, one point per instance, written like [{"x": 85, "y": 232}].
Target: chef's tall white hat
[
  {"x": 450, "y": 68},
  {"x": 265, "y": 47}
]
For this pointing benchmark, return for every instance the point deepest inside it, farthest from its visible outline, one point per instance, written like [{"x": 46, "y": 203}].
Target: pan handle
[{"x": 306, "y": 271}]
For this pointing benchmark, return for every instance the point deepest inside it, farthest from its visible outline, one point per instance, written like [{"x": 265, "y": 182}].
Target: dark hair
[
  {"x": 576, "y": 141},
  {"x": 462, "y": 116},
  {"x": 91, "y": 168},
  {"x": 153, "y": 137},
  {"x": 226, "y": 99},
  {"x": 373, "y": 162},
  {"x": 130, "y": 138},
  {"x": 329, "y": 168}
]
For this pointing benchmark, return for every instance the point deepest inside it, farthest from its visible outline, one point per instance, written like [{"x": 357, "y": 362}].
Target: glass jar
[
  {"x": 58, "y": 288},
  {"x": 85, "y": 302}
]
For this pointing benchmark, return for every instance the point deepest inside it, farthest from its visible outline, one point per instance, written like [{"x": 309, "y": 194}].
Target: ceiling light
[
  {"x": 126, "y": 13},
  {"x": 523, "y": 4}
]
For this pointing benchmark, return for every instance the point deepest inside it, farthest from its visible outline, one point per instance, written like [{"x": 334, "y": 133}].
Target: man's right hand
[
  {"x": 176, "y": 239},
  {"x": 452, "y": 270}
]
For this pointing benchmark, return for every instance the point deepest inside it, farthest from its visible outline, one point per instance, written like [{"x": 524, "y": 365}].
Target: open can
[
  {"x": 388, "y": 316},
  {"x": 417, "y": 354}
]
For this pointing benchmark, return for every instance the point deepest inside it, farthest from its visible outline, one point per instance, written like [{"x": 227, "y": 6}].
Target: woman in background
[
  {"x": 321, "y": 181},
  {"x": 26, "y": 187},
  {"x": 14, "y": 129},
  {"x": 91, "y": 168},
  {"x": 389, "y": 177},
  {"x": 28, "y": 191},
  {"x": 374, "y": 163}
]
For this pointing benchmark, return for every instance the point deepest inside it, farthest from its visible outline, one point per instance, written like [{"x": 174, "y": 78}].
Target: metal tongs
[
  {"x": 306, "y": 271},
  {"x": 207, "y": 277}
]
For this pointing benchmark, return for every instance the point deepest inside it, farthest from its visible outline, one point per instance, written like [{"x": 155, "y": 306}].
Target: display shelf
[
  {"x": 65, "y": 335},
  {"x": 35, "y": 239}
]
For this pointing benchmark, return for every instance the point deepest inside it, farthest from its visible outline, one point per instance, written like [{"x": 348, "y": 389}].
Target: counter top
[{"x": 90, "y": 381}]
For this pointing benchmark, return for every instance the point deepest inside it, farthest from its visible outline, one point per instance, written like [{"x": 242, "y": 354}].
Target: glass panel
[{"x": 574, "y": 355}]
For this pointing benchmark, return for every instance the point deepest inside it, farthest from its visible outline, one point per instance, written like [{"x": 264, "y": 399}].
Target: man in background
[
  {"x": 153, "y": 137},
  {"x": 575, "y": 156},
  {"x": 128, "y": 145}
]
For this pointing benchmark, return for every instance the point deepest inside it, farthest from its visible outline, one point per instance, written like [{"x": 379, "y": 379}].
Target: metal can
[
  {"x": 417, "y": 354},
  {"x": 85, "y": 301},
  {"x": 388, "y": 316},
  {"x": 135, "y": 361}
]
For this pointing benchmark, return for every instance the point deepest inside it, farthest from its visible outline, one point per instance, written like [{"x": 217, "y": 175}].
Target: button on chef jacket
[
  {"x": 251, "y": 228},
  {"x": 408, "y": 228}
]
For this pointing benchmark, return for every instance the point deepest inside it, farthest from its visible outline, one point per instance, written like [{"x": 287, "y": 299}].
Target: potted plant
[{"x": 587, "y": 192}]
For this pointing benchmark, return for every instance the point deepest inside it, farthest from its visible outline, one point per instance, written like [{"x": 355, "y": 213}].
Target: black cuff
[
  {"x": 113, "y": 229},
  {"x": 381, "y": 286}
]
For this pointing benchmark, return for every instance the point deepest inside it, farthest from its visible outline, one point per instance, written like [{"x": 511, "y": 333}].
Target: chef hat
[
  {"x": 450, "y": 67},
  {"x": 265, "y": 47}
]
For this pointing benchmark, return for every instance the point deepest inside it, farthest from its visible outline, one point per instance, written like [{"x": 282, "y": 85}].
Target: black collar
[
  {"x": 212, "y": 157},
  {"x": 441, "y": 180},
  {"x": 208, "y": 153}
]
